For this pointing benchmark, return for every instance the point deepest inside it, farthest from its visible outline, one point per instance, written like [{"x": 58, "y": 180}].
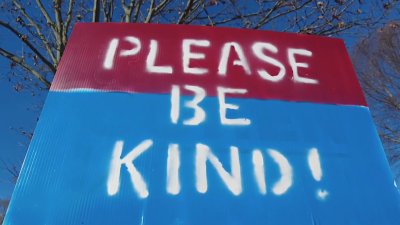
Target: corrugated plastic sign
[{"x": 165, "y": 124}]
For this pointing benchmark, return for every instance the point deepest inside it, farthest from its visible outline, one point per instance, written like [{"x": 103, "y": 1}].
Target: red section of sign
[{"x": 150, "y": 58}]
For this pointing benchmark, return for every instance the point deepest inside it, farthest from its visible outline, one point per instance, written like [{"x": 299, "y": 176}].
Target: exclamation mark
[{"x": 315, "y": 166}]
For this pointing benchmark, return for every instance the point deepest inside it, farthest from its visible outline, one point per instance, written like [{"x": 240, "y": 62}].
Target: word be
[
  {"x": 261, "y": 50},
  {"x": 232, "y": 180},
  {"x": 199, "y": 113}
]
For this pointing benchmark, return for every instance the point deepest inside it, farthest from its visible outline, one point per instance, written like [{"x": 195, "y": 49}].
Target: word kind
[{"x": 232, "y": 180}]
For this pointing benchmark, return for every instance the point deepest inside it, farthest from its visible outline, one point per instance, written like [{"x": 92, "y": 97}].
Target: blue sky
[{"x": 18, "y": 110}]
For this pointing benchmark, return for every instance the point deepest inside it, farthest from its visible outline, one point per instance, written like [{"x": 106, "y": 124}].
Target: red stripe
[{"x": 82, "y": 65}]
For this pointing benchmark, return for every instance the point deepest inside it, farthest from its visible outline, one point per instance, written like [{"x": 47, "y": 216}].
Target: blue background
[{"x": 63, "y": 180}]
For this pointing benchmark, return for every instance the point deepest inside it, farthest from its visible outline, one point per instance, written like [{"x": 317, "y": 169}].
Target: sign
[{"x": 165, "y": 124}]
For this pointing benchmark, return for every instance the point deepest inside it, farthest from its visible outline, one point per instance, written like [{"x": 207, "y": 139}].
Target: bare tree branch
[
  {"x": 68, "y": 21},
  {"x": 11, "y": 169},
  {"x": 38, "y": 31},
  {"x": 128, "y": 10},
  {"x": 108, "y": 9},
  {"x": 137, "y": 10},
  {"x": 150, "y": 12},
  {"x": 30, "y": 45},
  {"x": 211, "y": 22},
  {"x": 160, "y": 7},
  {"x": 59, "y": 28},
  {"x": 96, "y": 11},
  {"x": 185, "y": 12},
  {"x": 24, "y": 65},
  {"x": 377, "y": 61},
  {"x": 47, "y": 16},
  {"x": 266, "y": 20}
]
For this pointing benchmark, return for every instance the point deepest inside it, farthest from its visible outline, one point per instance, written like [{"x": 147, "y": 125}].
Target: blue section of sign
[{"x": 322, "y": 164}]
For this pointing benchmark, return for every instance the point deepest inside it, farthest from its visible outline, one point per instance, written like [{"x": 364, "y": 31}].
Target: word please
[
  {"x": 191, "y": 51},
  {"x": 232, "y": 180}
]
